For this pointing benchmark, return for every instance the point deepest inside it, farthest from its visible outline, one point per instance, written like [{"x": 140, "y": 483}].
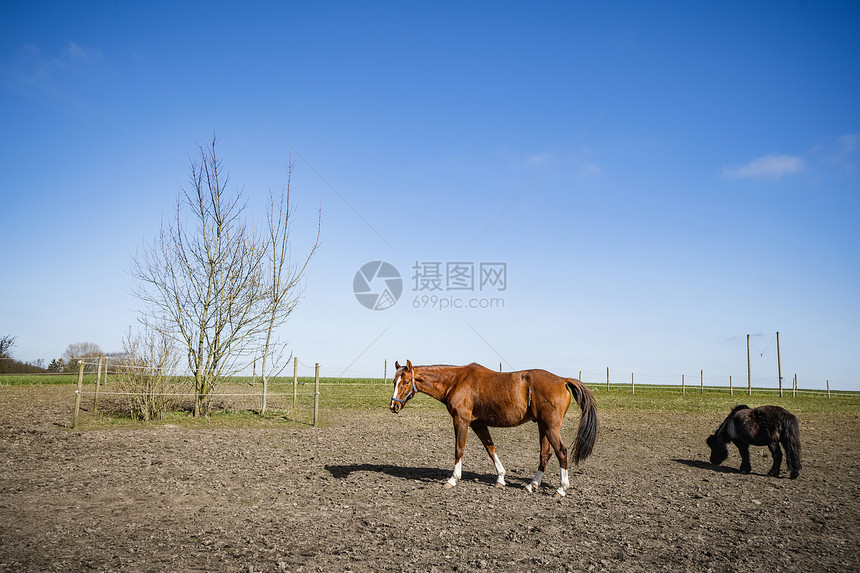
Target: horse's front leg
[
  {"x": 744, "y": 450},
  {"x": 484, "y": 434},
  {"x": 461, "y": 429}
]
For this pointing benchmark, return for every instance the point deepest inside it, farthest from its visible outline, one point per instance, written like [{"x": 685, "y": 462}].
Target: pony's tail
[
  {"x": 587, "y": 433},
  {"x": 790, "y": 438}
]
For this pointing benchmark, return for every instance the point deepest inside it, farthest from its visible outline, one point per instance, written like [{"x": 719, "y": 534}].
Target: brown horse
[{"x": 478, "y": 397}]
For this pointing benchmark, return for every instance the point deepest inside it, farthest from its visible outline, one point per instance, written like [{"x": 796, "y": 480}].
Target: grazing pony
[
  {"x": 477, "y": 398},
  {"x": 763, "y": 426}
]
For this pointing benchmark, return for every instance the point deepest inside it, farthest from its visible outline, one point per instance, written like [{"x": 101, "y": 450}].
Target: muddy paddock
[{"x": 364, "y": 493}]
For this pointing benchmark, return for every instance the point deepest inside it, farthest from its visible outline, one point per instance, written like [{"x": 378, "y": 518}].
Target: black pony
[{"x": 763, "y": 426}]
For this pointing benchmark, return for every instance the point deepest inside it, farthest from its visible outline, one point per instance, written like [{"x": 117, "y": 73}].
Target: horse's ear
[
  {"x": 396, "y": 365},
  {"x": 408, "y": 365}
]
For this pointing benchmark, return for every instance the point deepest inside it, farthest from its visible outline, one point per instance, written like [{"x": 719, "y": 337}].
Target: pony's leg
[
  {"x": 554, "y": 437},
  {"x": 484, "y": 434},
  {"x": 461, "y": 429},
  {"x": 777, "y": 458},
  {"x": 545, "y": 452},
  {"x": 744, "y": 450}
]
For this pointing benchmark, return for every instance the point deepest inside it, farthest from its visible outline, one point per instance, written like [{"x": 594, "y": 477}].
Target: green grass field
[{"x": 237, "y": 403}]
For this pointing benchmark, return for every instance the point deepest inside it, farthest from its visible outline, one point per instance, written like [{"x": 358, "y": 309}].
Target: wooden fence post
[
  {"x": 632, "y": 384},
  {"x": 701, "y": 381},
  {"x": 683, "y": 386},
  {"x": 794, "y": 387},
  {"x": 78, "y": 394},
  {"x": 828, "y": 389},
  {"x": 316, "y": 392},
  {"x": 731, "y": 390},
  {"x": 778, "y": 364},
  {"x": 385, "y": 372},
  {"x": 295, "y": 380},
  {"x": 607, "y": 377},
  {"x": 749, "y": 368},
  {"x": 98, "y": 383}
]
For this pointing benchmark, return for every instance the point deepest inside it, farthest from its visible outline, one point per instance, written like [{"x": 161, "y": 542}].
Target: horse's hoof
[
  {"x": 500, "y": 485},
  {"x": 530, "y": 488},
  {"x": 448, "y": 485},
  {"x": 794, "y": 475}
]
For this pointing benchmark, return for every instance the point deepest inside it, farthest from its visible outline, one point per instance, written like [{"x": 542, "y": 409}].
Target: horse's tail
[
  {"x": 587, "y": 433},
  {"x": 789, "y": 432}
]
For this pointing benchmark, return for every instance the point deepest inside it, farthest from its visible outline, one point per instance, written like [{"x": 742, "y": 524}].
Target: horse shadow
[
  {"x": 420, "y": 474},
  {"x": 706, "y": 465}
]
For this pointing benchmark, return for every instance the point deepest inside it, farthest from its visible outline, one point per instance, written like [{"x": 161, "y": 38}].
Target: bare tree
[
  {"x": 283, "y": 280},
  {"x": 6, "y": 344},
  {"x": 205, "y": 279},
  {"x": 86, "y": 351}
]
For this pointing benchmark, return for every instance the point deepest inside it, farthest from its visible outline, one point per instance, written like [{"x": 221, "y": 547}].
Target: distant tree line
[
  {"x": 89, "y": 352},
  {"x": 8, "y": 365}
]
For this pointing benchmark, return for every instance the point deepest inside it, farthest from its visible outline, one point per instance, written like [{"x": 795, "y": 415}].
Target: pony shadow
[
  {"x": 427, "y": 475},
  {"x": 706, "y": 465}
]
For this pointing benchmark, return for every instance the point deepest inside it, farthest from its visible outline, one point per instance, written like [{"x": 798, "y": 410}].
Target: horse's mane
[{"x": 735, "y": 410}]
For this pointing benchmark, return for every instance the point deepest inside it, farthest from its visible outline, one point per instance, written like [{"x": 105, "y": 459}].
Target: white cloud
[
  {"x": 589, "y": 170},
  {"x": 539, "y": 159},
  {"x": 770, "y": 167}
]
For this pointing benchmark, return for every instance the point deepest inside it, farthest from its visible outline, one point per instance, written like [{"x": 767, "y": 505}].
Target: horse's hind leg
[
  {"x": 484, "y": 434},
  {"x": 545, "y": 452},
  {"x": 776, "y": 452},
  {"x": 553, "y": 434}
]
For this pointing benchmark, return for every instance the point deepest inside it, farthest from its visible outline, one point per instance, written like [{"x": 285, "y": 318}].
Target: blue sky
[{"x": 658, "y": 180}]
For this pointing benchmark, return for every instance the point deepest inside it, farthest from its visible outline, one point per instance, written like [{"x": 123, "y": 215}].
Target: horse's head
[
  {"x": 719, "y": 451},
  {"x": 404, "y": 386}
]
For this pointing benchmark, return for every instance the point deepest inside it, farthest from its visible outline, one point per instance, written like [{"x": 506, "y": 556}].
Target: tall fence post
[
  {"x": 731, "y": 390},
  {"x": 295, "y": 380},
  {"x": 794, "y": 387},
  {"x": 78, "y": 394},
  {"x": 683, "y": 386},
  {"x": 828, "y": 389},
  {"x": 98, "y": 383},
  {"x": 632, "y": 384},
  {"x": 701, "y": 381},
  {"x": 385, "y": 372},
  {"x": 500, "y": 366},
  {"x": 607, "y": 377},
  {"x": 316, "y": 392},
  {"x": 778, "y": 364},
  {"x": 749, "y": 368}
]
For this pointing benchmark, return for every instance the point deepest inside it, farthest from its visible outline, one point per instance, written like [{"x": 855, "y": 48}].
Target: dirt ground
[{"x": 364, "y": 493}]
